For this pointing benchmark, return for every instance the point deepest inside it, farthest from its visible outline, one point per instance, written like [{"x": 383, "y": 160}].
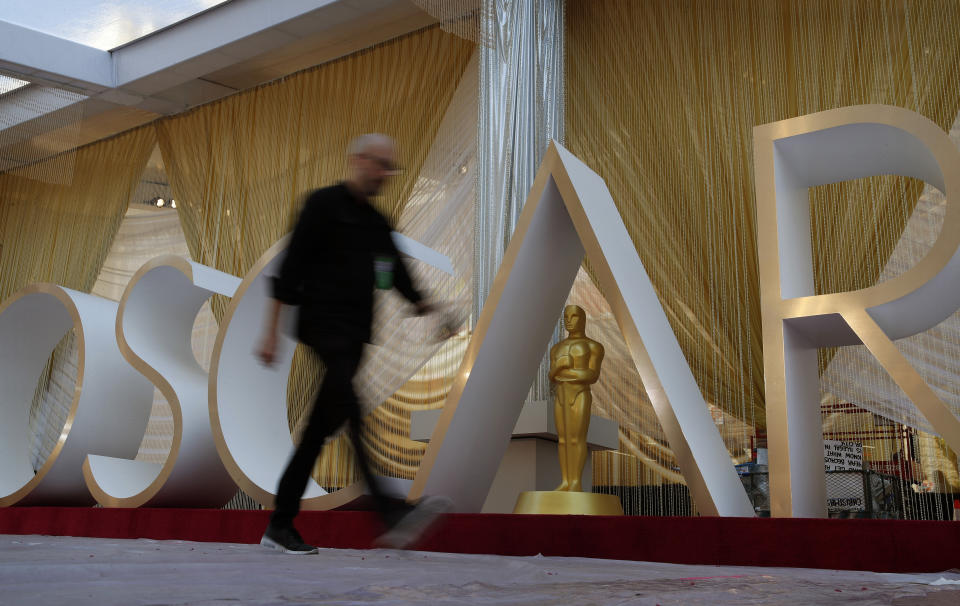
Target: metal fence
[{"x": 850, "y": 494}]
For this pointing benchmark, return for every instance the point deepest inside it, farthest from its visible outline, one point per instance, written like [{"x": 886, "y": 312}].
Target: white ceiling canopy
[
  {"x": 105, "y": 66},
  {"x": 102, "y": 24}
]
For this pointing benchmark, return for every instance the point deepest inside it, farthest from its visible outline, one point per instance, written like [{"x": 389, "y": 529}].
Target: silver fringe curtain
[{"x": 521, "y": 110}]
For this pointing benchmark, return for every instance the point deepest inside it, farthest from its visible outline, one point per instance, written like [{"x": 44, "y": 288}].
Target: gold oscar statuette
[{"x": 574, "y": 366}]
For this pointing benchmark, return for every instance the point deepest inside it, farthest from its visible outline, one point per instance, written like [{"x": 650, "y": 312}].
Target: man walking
[{"x": 341, "y": 249}]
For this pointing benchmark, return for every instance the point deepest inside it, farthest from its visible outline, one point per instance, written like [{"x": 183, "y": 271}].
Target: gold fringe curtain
[
  {"x": 61, "y": 232},
  {"x": 661, "y": 99},
  {"x": 662, "y": 96},
  {"x": 386, "y": 431},
  {"x": 239, "y": 168},
  {"x": 392, "y": 451}
]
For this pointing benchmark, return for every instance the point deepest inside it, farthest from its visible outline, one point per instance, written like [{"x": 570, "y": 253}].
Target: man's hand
[
  {"x": 447, "y": 326},
  {"x": 267, "y": 351}
]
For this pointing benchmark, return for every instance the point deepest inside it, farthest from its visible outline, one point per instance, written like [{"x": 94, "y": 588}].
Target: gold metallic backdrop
[
  {"x": 661, "y": 100},
  {"x": 61, "y": 232},
  {"x": 239, "y": 167}
]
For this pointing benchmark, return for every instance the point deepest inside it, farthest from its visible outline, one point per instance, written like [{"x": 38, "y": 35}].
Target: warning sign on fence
[
  {"x": 845, "y": 503},
  {"x": 842, "y": 456}
]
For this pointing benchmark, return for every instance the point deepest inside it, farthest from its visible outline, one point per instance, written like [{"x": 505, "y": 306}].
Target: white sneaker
[{"x": 412, "y": 526}]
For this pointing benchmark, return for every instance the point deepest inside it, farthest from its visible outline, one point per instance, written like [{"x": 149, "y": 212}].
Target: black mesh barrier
[{"x": 850, "y": 494}]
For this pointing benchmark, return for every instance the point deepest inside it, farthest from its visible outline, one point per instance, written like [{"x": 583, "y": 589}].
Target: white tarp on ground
[{"x": 42, "y": 570}]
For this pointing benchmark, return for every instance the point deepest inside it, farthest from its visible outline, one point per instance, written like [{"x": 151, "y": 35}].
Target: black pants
[{"x": 335, "y": 404}]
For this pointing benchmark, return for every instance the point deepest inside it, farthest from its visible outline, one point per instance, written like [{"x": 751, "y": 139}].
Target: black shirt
[{"x": 329, "y": 268}]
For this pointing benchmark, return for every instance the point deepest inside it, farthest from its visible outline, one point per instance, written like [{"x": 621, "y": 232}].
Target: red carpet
[{"x": 878, "y": 545}]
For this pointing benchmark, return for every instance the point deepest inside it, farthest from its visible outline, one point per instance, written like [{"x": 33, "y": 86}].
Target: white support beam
[
  {"x": 236, "y": 30},
  {"x": 243, "y": 27},
  {"x": 197, "y": 60},
  {"x": 28, "y": 52}
]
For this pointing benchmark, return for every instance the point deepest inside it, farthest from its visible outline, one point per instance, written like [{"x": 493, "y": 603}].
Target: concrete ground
[{"x": 41, "y": 570}]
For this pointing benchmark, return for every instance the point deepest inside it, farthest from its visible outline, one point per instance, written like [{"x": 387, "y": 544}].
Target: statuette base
[{"x": 560, "y": 502}]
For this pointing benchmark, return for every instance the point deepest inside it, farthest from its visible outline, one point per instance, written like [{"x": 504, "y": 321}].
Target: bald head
[
  {"x": 371, "y": 159},
  {"x": 370, "y": 142}
]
